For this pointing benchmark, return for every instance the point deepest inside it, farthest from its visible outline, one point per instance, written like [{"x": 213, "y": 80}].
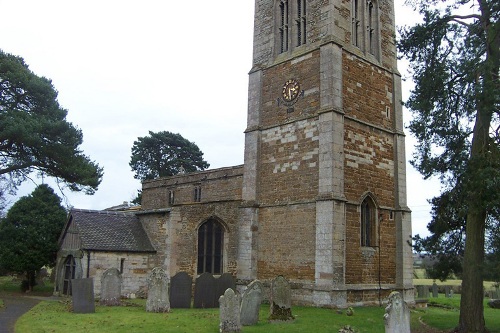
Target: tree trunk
[{"x": 471, "y": 303}]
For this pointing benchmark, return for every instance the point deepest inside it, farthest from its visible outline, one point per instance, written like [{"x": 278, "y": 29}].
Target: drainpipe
[
  {"x": 88, "y": 264},
  {"x": 381, "y": 217}
]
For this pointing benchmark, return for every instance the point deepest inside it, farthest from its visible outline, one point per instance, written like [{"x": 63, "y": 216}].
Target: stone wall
[{"x": 136, "y": 267}]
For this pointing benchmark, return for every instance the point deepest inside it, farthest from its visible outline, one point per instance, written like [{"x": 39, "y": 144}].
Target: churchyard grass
[
  {"x": 55, "y": 316},
  {"x": 50, "y": 316}
]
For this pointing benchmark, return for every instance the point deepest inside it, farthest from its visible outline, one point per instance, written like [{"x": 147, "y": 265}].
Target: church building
[{"x": 321, "y": 196}]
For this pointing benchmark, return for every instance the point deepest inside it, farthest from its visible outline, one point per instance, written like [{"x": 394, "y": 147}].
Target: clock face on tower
[{"x": 291, "y": 90}]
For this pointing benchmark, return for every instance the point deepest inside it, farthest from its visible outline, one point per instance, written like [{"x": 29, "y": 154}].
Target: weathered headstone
[
  {"x": 225, "y": 281},
  {"x": 435, "y": 290},
  {"x": 82, "y": 291},
  {"x": 229, "y": 305},
  {"x": 397, "y": 315},
  {"x": 250, "y": 303},
  {"x": 281, "y": 300},
  {"x": 111, "y": 287},
  {"x": 447, "y": 291},
  {"x": 451, "y": 292},
  {"x": 158, "y": 291},
  {"x": 420, "y": 291},
  {"x": 205, "y": 290},
  {"x": 495, "y": 294},
  {"x": 180, "y": 290}
]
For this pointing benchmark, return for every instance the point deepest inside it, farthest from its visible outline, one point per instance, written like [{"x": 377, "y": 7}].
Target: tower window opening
[
  {"x": 284, "y": 26},
  {"x": 355, "y": 22},
  {"x": 301, "y": 22}
]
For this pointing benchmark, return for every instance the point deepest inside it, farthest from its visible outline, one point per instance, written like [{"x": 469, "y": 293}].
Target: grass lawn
[{"x": 56, "y": 316}]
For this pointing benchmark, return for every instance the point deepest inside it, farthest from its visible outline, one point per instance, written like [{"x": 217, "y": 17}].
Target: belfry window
[
  {"x": 368, "y": 223},
  {"x": 364, "y": 14},
  {"x": 355, "y": 22},
  {"x": 372, "y": 27},
  {"x": 301, "y": 22},
  {"x": 210, "y": 247},
  {"x": 283, "y": 28}
]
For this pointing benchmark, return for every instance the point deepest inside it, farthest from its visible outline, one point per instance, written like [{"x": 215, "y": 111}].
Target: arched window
[
  {"x": 368, "y": 223},
  {"x": 210, "y": 247},
  {"x": 69, "y": 273}
]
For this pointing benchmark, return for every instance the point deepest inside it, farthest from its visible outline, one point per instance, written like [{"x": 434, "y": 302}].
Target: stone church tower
[{"x": 321, "y": 197}]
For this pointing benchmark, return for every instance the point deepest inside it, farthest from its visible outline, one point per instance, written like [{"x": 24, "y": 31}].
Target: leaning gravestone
[
  {"x": 111, "y": 287},
  {"x": 180, "y": 290},
  {"x": 82, "y": 293},
  {"x": 435, "y": 290},
  {"x": 205, "y": 290},
  {"x": 250, "y": 303},
  {"x": 229, "y": 305},
  {"x": 397, "y": 315},
  {"x": 158, "y": 291},
  {"x": 281, "y": 300}
]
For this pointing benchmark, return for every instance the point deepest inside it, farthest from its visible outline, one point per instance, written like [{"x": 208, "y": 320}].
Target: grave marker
[
  {"x": 82, "y": 291},
  {"x": 111, "y": 287},
  {"x": 281, "y": 300},
  {"x": 229, "y": 305},
  {"x": 180, "y": 290},
  {"x": 397, "y": 315},
  {"x": 250, "y": 303},
  {"x": 158, "y": 300},
  {"x": 205, "y": 290}
]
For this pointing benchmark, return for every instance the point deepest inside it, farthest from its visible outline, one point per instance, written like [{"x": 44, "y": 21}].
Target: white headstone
[
  {"x": 229, "y": 305},
  {"x": 158, "y": 300},
  {"x": 250, "y": 303},
  {"x": 397, "y": 315}
]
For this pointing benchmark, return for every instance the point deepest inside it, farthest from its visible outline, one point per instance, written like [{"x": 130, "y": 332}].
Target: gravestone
[
  {"x": 250, "y": 303},
  {"x": 495, "y": 294},
  {"x": 397, "y": 315},
  {"x": 205, "y": 290},
  {"x": 180, "y": 290},
  {"x": 426, "y": 292},
  {"x": 280, "y": 300},
  {"x": 111, "y": 287},
  {"x": 435, "y": 290},
  {"x": 82, "y": 295},
  {"x": 158, "y": 291},
  {"x": 225, "y": 281},
  {"x": 229, "y": 305},
  {"x": 447, "y": 291},
  {"x": 420, "y": 291}
]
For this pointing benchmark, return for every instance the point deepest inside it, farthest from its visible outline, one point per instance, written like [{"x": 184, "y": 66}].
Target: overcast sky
[{"x": 123, "y": 68}]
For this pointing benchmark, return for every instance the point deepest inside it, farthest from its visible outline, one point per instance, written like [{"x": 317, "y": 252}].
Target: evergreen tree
[
  {"x": 34, "y": 133},
  {"x": 29, "y": 233},
  {"x": 165, "y": 154},
  {"x": 455, "y": 60}
]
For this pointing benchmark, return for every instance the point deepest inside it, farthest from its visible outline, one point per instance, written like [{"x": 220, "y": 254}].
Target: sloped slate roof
[{"x": 110, "y": 231}]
